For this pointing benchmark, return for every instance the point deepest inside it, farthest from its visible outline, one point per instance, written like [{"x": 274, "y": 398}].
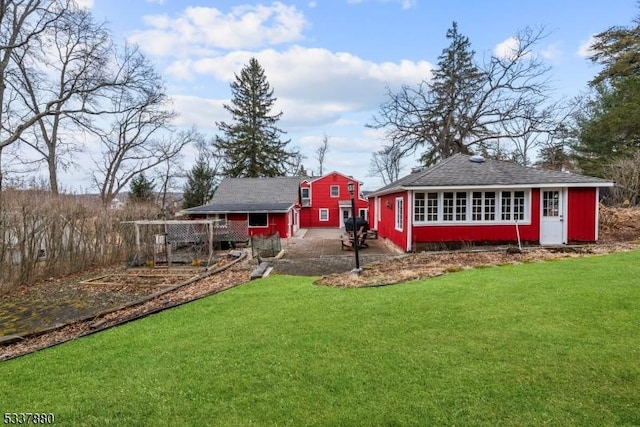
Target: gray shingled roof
[
  {"x": 252, "y": 195},
  {"x": 459, "y": 170}
]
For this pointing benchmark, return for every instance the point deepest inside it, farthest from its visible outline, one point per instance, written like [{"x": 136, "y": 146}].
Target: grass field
[{"x": 554, "y": 343}]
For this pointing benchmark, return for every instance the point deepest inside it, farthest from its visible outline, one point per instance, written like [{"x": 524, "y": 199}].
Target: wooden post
[{"x": 136, "y": 225}]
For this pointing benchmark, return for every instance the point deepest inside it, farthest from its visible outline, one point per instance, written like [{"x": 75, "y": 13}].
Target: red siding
[
  {"x": 387, "y": 224},
  {"x": 320, "y": 194},
  {"x": 581, "y": 214},
  {"x": 276, "y": 222}
]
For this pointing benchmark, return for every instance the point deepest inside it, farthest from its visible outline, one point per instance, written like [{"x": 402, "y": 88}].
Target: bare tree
[
  {"x": 22, "y": 23},
  {"x": 465, "y": 107},
  {"x": 139, "y": 135},
  {"x": 535, "y": 126},
  {"x": 386, "y": 164},
  {"x": 625, "y": 172},
  {"x": 70, "y": 69},
  {"x": 321, "y": 152}
]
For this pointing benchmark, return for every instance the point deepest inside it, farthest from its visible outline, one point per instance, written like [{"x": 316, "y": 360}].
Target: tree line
[
  {"x": 502, "y": 107},
  {"x": 65, "y": 80}
]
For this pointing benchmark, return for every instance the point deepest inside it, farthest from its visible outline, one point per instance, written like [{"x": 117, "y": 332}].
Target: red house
[
  {"x": 266, "y": 205},
  {"x": 325, "y": 201},
  {"x": 467, "y": 199}
]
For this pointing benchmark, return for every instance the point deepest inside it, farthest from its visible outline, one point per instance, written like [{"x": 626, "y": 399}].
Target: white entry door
[
  {"x": 346, "y": 214},
  {"x": 551, "y": 220}
]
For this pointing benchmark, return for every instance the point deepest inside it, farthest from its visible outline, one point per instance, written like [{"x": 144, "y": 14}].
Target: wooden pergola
[{"x": 190, "y": 236}]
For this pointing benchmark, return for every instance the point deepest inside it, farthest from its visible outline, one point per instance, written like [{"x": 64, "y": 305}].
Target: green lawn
[{"x": 554, "y": 343}]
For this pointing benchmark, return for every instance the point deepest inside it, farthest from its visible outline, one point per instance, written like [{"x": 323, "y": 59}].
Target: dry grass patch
[{"x": 431, "y": 264}]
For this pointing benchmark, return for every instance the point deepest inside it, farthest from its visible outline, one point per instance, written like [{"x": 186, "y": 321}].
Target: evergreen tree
[
  {"x": 251, "y": 142},
  {"x": 201, "y": 184},
  {"x": 618, "y": 49},
  {"x": 609, "y": 128},
  {"x": 141, "y": 189},
  {"x": 456, "y": 84}
]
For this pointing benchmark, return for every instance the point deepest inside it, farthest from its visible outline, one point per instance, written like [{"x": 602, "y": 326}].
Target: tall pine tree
[
  {"x": 251, "y": 142},
  {"x": 457, "y": 83},
  {"x": 201, "y": 184}
]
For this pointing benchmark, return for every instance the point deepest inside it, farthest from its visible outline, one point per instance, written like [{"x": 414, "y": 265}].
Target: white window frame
[
  {"x": 257, "y": 226},
  {"x": 497, "y": 207},
  {"x": 308, "y": 193},
  {"x": 320, "y": 212},
  {"x": 331, "y": 191},
  {"x": 399, "y": 213}
]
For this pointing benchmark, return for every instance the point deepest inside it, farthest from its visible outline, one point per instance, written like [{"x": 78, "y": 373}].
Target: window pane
[
  {"x": 506, "y": 205},
  {"x": 447, "y": 206},
  {"x": 461, "y": 206},
  {"x": 476, "y": 206},
  {"x": 257, "y": 219},
  {"x": 335, "y": 191},
  {"x": 490, "y": 206},
  {"x": 418, "y": 208},
  {"x": 305, "y": 193},
  {"x": 432, "y": 207},
  {"x": 399, "y": 213},
  {"x": 518, "y": 205}
]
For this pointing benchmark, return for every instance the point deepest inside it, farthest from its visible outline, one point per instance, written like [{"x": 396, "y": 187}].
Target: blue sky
[{"x": 330, "y": 60}]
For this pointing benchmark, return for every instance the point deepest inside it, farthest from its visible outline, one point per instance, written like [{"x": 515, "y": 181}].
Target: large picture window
[
  {"x": 258, "y": 219},
  {"x": 471, "y": 207}
]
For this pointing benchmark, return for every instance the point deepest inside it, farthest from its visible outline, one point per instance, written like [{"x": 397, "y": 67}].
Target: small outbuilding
[
  {"x": 471, "y": 200},
  {"x": 266, "y": 205}
]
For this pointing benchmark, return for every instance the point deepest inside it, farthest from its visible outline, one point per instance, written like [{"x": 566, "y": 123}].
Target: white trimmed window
[
  {"x": 335, "y": 191},
  {"x": 418, "y": 207},
  {"x": 324, "y": 214},
  {"x": 258, "y": 219},
  {"x": 432, "y": 207},
  {"x": 305, "y": 193},
  {"x": 399, "y": 213},
  {"x": 471, "y": 206}
]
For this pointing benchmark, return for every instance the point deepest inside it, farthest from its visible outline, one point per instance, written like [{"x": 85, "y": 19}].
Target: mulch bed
[
  {"x": 223, "y": 280},
  {"x": 431, "y": 264}
]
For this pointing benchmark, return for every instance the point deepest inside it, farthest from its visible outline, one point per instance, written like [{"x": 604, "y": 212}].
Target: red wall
[
  {"x": 452, "y": 233},
  {"x": 276, "y": 222},
  {"x": 320, "y": 195},
  {"x": 581, "y": 214},
  {"x": 387, "y": 224}
]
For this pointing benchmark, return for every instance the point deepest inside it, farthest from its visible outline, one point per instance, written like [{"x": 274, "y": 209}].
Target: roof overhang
[{"x": 492, "y": 187}]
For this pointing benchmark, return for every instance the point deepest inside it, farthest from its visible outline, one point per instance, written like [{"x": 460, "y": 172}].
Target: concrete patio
[{"x": 318, "y": 251}]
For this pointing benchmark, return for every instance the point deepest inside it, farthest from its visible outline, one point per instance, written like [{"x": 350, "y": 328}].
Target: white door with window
[
  {"x": 551, "y": 218},
  {"x": 346, "y": 214}
]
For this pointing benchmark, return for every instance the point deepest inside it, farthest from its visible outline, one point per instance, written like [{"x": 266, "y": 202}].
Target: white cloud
[
  {"x": 84, "y": 4},
  {"x": 199, "y": 29},
  {"x": 405, "y": 4},
  {"x": 313, "y": 85},
  {"x": 552, "y": 52},
  {"x": 507, "y": 48},
  {"x": 198, "y": 111},
  {"x": 585, "y": 49}
]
